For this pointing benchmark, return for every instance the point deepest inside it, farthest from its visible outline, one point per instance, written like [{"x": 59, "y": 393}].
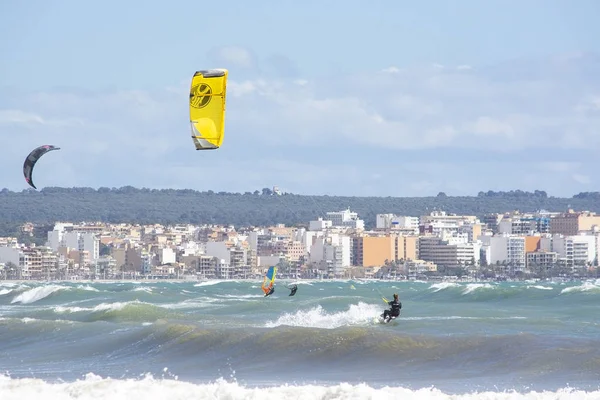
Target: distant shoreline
[
  {"x": 260, "y": 208},
  {"x": 310, "y": 280}
]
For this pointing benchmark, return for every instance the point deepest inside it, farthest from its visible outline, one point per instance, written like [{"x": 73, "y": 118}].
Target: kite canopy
[
  {"x": 207, "y": 108},
  {"x": 33, "y": 158}
]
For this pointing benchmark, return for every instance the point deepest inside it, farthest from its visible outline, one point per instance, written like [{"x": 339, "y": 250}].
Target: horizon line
[{"x": 520, "y": 192}]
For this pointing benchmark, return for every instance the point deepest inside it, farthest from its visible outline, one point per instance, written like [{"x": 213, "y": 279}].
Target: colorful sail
[
  {"x": 207, "y": 108},
  {"x": 269, "y": 280}
]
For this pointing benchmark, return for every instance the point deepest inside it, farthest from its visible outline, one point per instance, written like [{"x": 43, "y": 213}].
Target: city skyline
[
  {"x": 515, "y": 244},
  {"x": 421, "y": 99}
]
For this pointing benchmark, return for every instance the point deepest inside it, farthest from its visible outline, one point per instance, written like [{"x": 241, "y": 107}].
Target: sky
[{"x": 378, "y": 98}]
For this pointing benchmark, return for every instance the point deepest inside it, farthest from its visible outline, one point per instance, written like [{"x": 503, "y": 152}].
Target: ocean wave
[
  {"x": 477, "y": 286},
  {"x": 88, "y": 288},
  {"x": 26, "y": 294},
  {"x": 209, "y": 283},
  {"x": 37, "y": 293},
  {"x": 443, "y": 285},
  {"x": 93, "y": 386},
  {"x": 493, "y": 292},
  {"x": 143, "y": 289},
  {"x": 585, "y": 287},
  {"x": 134, "y": 310},
  {"x": 540, "y": 287},
  {"x": 317, "y": 317}
]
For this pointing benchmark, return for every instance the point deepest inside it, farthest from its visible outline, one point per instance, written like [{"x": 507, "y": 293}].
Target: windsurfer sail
[{"x": 268, "y": 285}]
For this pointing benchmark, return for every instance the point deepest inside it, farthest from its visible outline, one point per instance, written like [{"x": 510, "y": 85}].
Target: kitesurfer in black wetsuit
[
  {"x": 293, "y": 289},
  {"x": 394, "y": 311}
]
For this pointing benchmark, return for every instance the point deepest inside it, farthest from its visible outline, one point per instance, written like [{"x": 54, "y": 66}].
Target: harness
[{"x": 396, "y": 306}]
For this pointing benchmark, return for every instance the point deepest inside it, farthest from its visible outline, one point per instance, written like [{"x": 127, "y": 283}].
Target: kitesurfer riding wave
[{"x": 394, "y": 311}]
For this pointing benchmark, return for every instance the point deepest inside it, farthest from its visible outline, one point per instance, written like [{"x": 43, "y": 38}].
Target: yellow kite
[{"x": 207, "y": 108}]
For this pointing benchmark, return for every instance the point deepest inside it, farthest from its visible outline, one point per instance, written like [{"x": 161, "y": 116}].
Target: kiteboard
[{"x": 380, "y": 320}]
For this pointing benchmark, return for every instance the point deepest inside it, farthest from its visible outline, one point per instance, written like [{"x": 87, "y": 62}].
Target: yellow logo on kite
[{"x": 200, "y": 95}]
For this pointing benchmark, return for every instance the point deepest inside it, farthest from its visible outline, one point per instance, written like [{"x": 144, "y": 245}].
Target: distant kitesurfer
[
  {"x": 394, "y": 311},
  {"x": 270, "y": 292},
  {"x": 293, "y": 289}
]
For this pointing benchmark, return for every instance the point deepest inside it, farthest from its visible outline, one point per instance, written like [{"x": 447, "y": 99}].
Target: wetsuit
[
  {"x": 394, "y": 311},
  {"x": 293, "y": 290}
]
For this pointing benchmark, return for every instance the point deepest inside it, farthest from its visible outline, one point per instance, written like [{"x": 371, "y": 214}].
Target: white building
[
  {"x": 438, "y": 221},
  {"x": 10, "y": 255},
  {"x": 167, "y": 255},
  {"x": 219, "y": 250},
  {"x": 577, "y": 250},
  {"x": 334, "y": 250},
  {"x": 346, "y": 218},
  {"x": 451, "y": 250},
  {"x": 392, "y": 221},
  {"x": 81, "y": 241},
  {"x": 319, "y": 225},
  {"x": 505, "y": 249}
]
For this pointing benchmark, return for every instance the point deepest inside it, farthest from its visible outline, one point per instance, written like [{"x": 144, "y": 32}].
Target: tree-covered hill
[{"x": 129, "y": 204}]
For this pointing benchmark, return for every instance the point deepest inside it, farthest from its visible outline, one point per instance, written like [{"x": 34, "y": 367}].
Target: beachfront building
[
  {"x": 438, "y": 222},
  {"x": 345, "y": 219},
  {"x": 449, "y": 250},
  {"x": 407, "y": 224},
  {"x": 332, "y": 252},
  {"x": 504, "y": 249},
  {"x": 572, "y": 251},
  {"x": 572, "y": 222},
  {"x": 81, "y": 238},
  {"x": 523, "y": 224}
]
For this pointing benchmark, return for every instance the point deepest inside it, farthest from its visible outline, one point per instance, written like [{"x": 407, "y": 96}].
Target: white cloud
[
  {"x": 235, "y": 55},
  {"x": 487, "y": 126},
  {"x": 589, "y": 105},
  {"x": 463, "y": 111},
  {"x": 20, "y": 117},
  {"x": 391, "y": 70},
  {"x": 332, "y": 134},
  {"x": 559, "y": 166},
  {"x": 583, "y": 179}
]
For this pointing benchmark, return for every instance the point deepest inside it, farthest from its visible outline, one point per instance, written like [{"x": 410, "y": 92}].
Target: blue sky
[{"x": 324, "y": 97}]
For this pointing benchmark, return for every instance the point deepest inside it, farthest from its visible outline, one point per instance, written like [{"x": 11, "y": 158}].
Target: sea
[{"x": 225, "y": 340}]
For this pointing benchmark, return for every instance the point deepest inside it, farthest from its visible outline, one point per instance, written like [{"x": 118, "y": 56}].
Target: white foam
[
  {"x": 539, "y": 287},
  {"x": 94, "y": 387},
  {"x": 64, "y": 309},
  {"x": 209, "y": 283},
  {"x": 37, "y": 293},
  {"x": 443, "y": 285},
  {"x": 477, "y": 286},
  {"x": 240, "y": 296},
  {"x": 88, "y": 288},
  {"x": 99, "y": 308},
  {"x": 192, "y": 303},
  {"x": 585, "y": 287},
  {"x": 307, "y": 283},
  {"x": 143, "y": 289},
  {"x": 317, "y": 317},
  {"x": 115, "y": 306}
]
